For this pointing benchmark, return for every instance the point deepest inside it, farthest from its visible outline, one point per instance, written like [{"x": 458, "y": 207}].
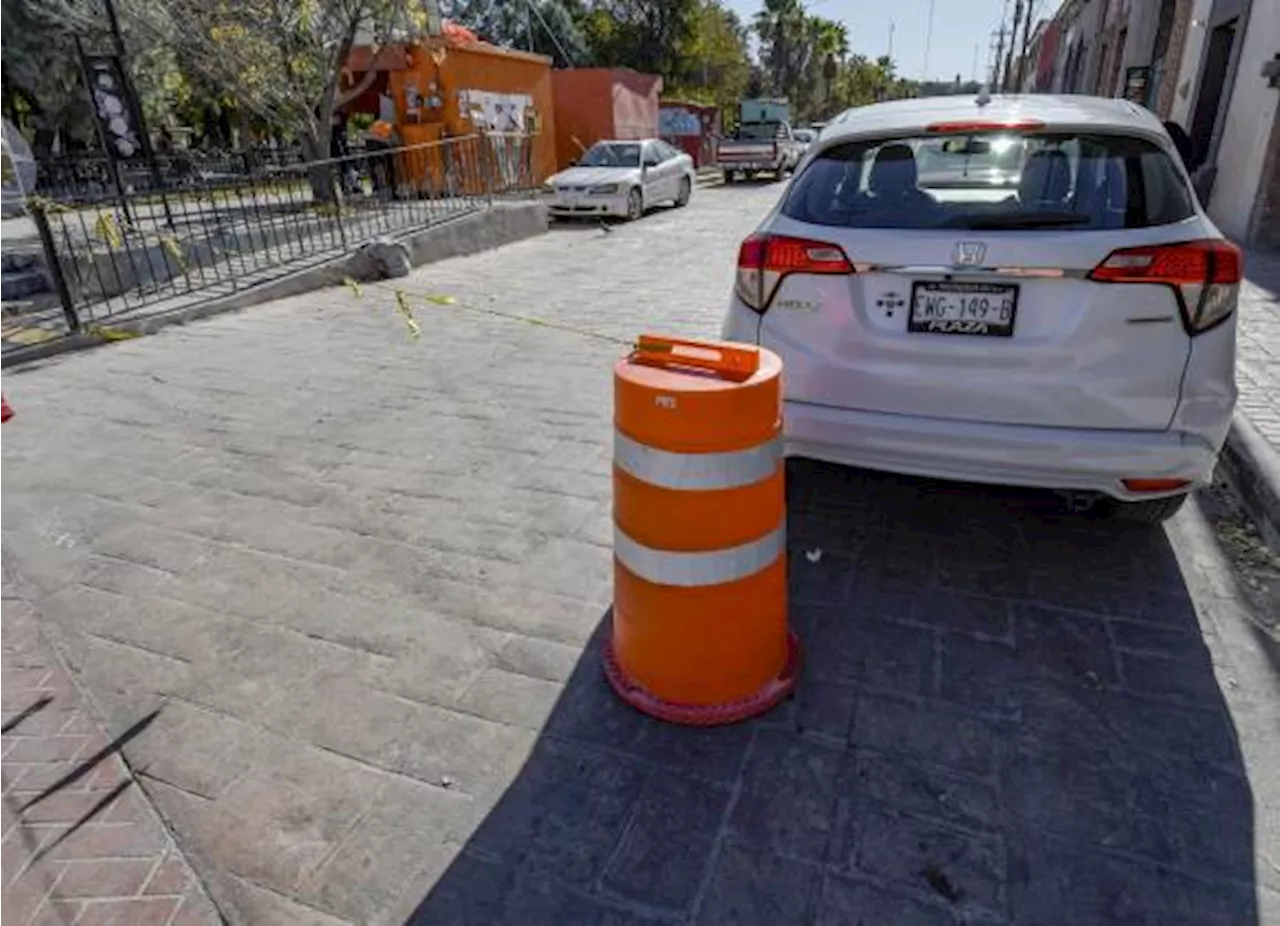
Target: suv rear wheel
[{"x": 1150, "y": 511}]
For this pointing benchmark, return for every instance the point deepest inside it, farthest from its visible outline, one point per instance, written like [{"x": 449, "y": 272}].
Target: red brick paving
[{"x": 91, "y": 853}]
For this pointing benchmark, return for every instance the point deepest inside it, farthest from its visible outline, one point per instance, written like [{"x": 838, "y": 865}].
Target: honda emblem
[{"x": 969, "y": 254}]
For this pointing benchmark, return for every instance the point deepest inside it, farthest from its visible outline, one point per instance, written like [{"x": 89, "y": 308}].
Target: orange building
[
  {"x": 455, "y": 85},
  {"x": 596, "y": 103}
]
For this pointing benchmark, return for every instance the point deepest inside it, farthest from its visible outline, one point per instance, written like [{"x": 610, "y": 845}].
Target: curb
[
  {"x": 458, "y": 236},
  {"x": 1252, "y": 467}
]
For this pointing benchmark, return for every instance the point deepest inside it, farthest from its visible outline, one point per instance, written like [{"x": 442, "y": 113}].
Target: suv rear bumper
[{"x": 1084, "y": 460}]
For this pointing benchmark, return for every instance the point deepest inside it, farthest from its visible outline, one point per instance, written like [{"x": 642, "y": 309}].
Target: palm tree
[{"x": 831, "y": 48}]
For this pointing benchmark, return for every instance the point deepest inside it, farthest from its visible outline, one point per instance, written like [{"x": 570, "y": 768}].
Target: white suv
[{"x": 1018, "y": 290}]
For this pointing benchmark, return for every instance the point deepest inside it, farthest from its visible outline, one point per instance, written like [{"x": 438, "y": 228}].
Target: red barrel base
[{"x": 703, "y": 715}]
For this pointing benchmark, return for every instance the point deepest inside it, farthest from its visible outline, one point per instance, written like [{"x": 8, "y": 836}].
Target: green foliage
[
  {"x": 277, "y": 64},
  {"x": 553, "y": 26},
  {"x": 715, "y": 66},
  {"x": 42, "y": 73},
  {"x": 806, "y": 59}
]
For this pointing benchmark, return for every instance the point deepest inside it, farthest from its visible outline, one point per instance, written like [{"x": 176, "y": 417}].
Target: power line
[{"x": 554, "y": 38}]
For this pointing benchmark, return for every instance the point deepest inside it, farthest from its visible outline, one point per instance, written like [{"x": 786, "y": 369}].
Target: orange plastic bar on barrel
[{"x": 700, "y": 581}]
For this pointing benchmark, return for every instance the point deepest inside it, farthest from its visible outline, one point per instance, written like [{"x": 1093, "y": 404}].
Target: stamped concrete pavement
[
  {"x": 361, "y": 578},
  {"x": 1258, "y": 363}
]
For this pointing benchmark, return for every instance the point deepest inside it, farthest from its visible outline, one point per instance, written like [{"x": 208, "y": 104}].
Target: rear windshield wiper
[{"x": 1021, "y": 220}]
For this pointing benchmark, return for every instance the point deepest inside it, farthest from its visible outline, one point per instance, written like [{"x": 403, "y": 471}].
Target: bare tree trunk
[{"x": 322, "y": 174}]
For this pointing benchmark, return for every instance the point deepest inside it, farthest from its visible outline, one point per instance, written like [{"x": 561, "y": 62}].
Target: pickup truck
[{"x": 759, "y": 147}]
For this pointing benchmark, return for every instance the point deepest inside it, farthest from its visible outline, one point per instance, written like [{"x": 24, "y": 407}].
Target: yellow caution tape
[
  {"x": 170, "y": 244},
  {"x": 112, "y": 334},
  {"x": 108, "y": 231},
  {"x": 352, "y": 285},
  {"x": 511, "y": 316},
  {"x": 402, "y": 303},
  {"x": 30, "y": 335}
]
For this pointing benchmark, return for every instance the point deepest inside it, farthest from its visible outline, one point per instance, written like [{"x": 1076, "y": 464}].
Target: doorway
[{"x": 1213, "y": 84}]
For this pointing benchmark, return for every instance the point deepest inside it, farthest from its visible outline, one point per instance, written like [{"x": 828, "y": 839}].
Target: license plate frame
[{"x": 973, "y": 327}]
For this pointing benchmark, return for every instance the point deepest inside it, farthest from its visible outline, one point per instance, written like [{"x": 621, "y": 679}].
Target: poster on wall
[
  {"x": 677, "y": 121},
  {"x": 500, "y": 113},
  {"x": 496, "y": 112}
]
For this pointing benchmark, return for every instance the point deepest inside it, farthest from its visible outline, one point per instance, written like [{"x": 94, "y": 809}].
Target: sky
[{"x": 958, "y": 27}]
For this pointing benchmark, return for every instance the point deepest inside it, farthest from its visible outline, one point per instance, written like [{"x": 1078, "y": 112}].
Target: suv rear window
[{"x": 1043, "y": 180}]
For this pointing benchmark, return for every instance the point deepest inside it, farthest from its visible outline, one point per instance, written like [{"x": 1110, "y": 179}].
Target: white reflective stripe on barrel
[
  {"x": 724, "y": 470},
  {"x": 694, "y": 570}
]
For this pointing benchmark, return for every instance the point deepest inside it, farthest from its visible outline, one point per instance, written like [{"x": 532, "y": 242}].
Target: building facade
[{"x": 1207, "y": 65}]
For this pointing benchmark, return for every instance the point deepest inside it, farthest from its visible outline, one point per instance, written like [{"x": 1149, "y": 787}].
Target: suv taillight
[
  {"x": 764, "y": 260},
  {"x": 1204, "y": 275}
]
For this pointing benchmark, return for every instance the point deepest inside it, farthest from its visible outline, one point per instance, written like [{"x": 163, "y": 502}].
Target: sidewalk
[
  {"x": 1251, "y": 458},
  {"x": 1258, "y": 366},
  {"x": 81, "y": 844}
]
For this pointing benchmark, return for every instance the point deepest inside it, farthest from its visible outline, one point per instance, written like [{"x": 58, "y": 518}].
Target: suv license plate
[{"x": 984, "y": 309}]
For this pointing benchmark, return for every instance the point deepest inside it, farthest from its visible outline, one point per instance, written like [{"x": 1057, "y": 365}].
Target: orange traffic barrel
[{"x": 699, "y": 630}]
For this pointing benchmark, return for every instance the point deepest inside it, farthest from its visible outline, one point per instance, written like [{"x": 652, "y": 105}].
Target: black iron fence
[
  {"x": 153, "y": 251},
  {"x": 82, "y": 178}
]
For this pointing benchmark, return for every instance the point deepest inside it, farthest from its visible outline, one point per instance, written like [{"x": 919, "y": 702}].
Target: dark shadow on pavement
[
  {"x": 26, "y": 713},
  {"x": 1007, "y": 715},
  {"x": 86, "y": 765}
]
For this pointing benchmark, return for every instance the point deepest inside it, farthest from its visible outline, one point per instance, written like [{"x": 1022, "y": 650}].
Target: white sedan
[
  {"x": 622, "y": 178},
  {"x": 1018, "y": 290}
]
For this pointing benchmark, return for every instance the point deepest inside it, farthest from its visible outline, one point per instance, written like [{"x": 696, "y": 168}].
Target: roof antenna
[{"x": 984, "y": 95}]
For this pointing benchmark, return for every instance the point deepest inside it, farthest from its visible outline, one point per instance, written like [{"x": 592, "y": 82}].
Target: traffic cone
[{"x": 5, "y": 411}]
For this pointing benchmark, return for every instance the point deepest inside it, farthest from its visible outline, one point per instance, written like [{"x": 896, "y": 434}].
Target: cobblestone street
[{"x": 359, "y": 581}]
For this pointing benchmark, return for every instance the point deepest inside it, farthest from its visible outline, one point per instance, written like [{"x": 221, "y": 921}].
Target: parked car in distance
[
  {"x": 1018, "y": 290},
  {"x": 622, "y": 178},
  {"x": 756, "y": 148},
  {"x": 804, "y": 138}
]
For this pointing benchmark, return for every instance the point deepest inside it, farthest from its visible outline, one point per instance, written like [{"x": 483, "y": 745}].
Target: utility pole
[
  {"x": 995, "y": 74},
  {"x": 1006, "y": 85},
  {"x": 973, "y": 73},
  {"x": 928, "y": 40},
  {"x": 1026, "y": 40},
  {"x": 890, "y": 40}
]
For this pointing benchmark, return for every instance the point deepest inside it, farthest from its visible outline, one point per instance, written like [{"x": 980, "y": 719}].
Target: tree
[
  {"x": 42, "y": 73},
  {"x": 646, "y": 35},
  {"x": 715, "y": 60},
  {"x": 551, "y": 25},
  {"x": 282, "y": 59},
  {"x": 801, "y": 56}
]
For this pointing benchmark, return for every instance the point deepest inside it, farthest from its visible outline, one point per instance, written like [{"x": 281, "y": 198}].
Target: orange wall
[
  {"x": 596, "y": 103},
  {"x": 478, "y": 67},
  {"x": 584, "y": 111}
]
